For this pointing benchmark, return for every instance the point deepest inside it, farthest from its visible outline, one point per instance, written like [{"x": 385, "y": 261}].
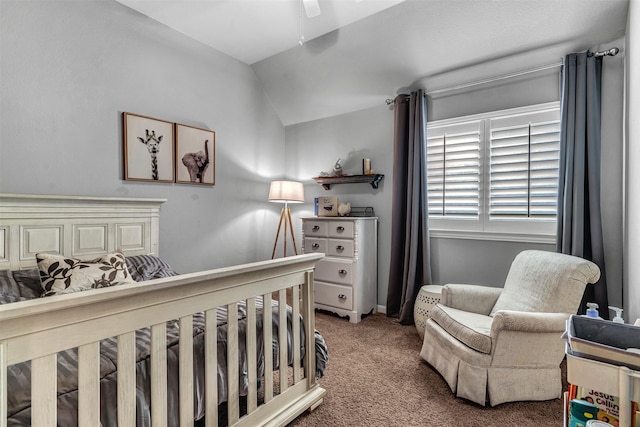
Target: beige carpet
[{"x": 375, "y": 377}]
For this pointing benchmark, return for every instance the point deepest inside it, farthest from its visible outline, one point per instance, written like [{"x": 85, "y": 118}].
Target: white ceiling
[
  {"x": 252, "y": 30},
  {"x": 357, "y": 53}
]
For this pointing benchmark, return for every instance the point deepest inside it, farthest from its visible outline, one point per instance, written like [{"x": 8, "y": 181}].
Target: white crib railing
[{"x": 37, "y": 330}]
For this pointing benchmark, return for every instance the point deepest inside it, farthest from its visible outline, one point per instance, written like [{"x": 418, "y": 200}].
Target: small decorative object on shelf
[
  {"x": 327, "y": 181},
  {"x": 344, "y": 209},
  {"x": 337, "y": 168},
  {"x": 366, "y": 167}
]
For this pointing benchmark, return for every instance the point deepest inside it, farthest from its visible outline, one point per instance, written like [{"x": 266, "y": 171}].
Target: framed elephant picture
[
  {"x": 195, "y": 155},
  {"x": 148, "y": 148}
]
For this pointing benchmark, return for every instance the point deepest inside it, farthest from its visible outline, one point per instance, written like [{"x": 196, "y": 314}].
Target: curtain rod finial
[{"x": 609, "y": 52}]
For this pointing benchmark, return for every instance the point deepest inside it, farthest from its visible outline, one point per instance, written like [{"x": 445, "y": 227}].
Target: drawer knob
[
  {"x": 315, "y": 246},
  {"x": 342, "y": 296},
  {"x": 340, "y": 229},
  {"x": 343, "y": 271},
  {"x": 340, "y": 248},
  {"x": 316, "y": 228}
]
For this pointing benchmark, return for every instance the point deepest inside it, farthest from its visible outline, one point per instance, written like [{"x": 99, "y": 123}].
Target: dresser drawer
[
  {"x": 342, "y": 248},
  {"x": 315, "y": 228},
  {"x": 336, "y": 271},
  {"x": 334, "y": 295},
  {"x": 312, "y": 245},
  {"x": 341, "y": 229}
]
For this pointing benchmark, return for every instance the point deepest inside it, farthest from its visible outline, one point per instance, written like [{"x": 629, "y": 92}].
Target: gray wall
[
  {"x": 612, "y": 172},
  {"x": 314, "y": 146},
  {"x": 69, "y": 69},
  {"x": 632, "y": 179}
]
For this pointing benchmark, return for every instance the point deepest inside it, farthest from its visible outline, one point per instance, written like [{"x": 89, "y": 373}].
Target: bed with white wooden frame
[{"x": 86, "y": 227}]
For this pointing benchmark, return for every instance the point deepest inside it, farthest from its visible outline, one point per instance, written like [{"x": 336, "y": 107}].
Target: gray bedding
[{"x": 16, "y": 286}]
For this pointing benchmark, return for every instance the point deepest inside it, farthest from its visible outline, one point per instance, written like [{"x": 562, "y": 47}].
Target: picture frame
[
  {"x": 195, "y": 161},
  {"x": 148, "y": 148}
]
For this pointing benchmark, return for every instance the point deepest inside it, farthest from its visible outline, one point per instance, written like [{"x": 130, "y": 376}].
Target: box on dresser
[
  {"x": 327, "y": 206},
  {"x": 346, "y": 281}
]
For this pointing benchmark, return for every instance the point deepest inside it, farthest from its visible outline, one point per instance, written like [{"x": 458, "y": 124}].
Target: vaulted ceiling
[{"x": 357, "y": 53}]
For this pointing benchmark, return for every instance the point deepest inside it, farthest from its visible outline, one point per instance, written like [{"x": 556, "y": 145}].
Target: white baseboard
[{"x": 381, "y": 309}]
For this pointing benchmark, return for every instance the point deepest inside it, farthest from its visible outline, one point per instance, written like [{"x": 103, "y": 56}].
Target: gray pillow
[
  {"x": 148, "y": 267},
  {"x": 19, "y": 285}
]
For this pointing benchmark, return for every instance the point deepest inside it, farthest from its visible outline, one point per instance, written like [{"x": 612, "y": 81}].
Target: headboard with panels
[{"x": 75, "y": 226}]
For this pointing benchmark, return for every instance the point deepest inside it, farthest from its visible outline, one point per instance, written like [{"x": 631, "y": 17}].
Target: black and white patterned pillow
[{"x": 61, "y": 275}]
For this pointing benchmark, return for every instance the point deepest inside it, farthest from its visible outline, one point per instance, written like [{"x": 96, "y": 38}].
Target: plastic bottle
[
  {"x": 592, "y": 311},
  {"x": 618, "y": 317}
]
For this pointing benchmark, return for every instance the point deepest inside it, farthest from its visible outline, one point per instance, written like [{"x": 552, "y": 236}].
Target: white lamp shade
[{"x": 286, "y": 192}]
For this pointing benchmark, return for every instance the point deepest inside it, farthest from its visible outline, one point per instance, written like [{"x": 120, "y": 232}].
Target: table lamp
[{"x": 286, "y": 192}]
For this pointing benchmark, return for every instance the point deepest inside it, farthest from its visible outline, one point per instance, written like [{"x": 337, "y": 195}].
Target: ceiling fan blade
[{"x": 311, "y": 7}]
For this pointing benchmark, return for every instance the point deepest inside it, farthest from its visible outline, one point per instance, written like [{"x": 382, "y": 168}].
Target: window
[{"x": 495, "y": 173}]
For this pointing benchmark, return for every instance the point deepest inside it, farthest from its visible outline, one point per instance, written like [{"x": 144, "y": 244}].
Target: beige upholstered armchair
[{"x": 504, "y": 344}]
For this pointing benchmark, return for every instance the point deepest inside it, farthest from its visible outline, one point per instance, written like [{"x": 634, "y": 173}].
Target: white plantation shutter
[
  {"x": 453, "y": 170},
  {"x": 524, "y": 155},
  {"x": 495, "y": 172}
]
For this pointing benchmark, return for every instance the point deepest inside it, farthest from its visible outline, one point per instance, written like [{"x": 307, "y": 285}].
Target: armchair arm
[
  {"x": 472, "y": 298},
  {"x": 527, "y": 339},
  {"x": 521, "y": 321}
]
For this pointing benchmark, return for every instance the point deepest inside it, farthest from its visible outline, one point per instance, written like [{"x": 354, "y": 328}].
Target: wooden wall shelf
[{"x": 327, "y": 181}]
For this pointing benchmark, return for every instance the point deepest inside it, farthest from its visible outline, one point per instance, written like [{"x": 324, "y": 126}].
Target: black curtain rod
[{"x": 609, "y": 52}]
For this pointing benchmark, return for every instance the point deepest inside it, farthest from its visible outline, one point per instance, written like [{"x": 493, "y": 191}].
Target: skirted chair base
[{"x": 470, "y": 375}]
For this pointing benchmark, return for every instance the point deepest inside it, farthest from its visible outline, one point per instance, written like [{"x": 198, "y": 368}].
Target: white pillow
[{"x": 61, "y": 275}]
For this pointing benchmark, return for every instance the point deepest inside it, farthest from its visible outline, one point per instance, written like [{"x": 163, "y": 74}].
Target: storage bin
[{"x": 604, "y": 341}]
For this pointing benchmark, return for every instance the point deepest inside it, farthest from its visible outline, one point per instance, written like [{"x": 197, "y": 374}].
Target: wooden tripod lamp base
[
  {"x": 286, "y": 192},
  {"x": 285, "y": 217}
]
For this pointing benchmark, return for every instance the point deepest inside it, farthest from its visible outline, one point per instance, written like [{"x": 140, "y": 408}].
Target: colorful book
[
  {"x": 598, "y": 405},
  {"x": 608, "y": 406},
  {"x": 581, "y": 412}
]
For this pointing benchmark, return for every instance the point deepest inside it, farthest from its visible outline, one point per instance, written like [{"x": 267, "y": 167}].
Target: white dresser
[{"x": 346, "y": 281}]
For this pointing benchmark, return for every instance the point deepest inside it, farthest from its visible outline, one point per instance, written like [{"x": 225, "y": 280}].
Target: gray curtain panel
[
  {"x": 410, "y": 264},
  {"x": 579, "y": 217}
]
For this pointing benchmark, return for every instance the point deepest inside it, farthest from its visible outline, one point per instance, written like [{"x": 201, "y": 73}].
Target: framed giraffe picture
[
  {"x": 149, "y": 151},
  {"x": 195, "y": 155}
]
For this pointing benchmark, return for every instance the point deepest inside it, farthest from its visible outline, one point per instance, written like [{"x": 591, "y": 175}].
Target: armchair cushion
[
  {"x": 472, "y": 329},
  {"x": 540, "y": 281}
]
